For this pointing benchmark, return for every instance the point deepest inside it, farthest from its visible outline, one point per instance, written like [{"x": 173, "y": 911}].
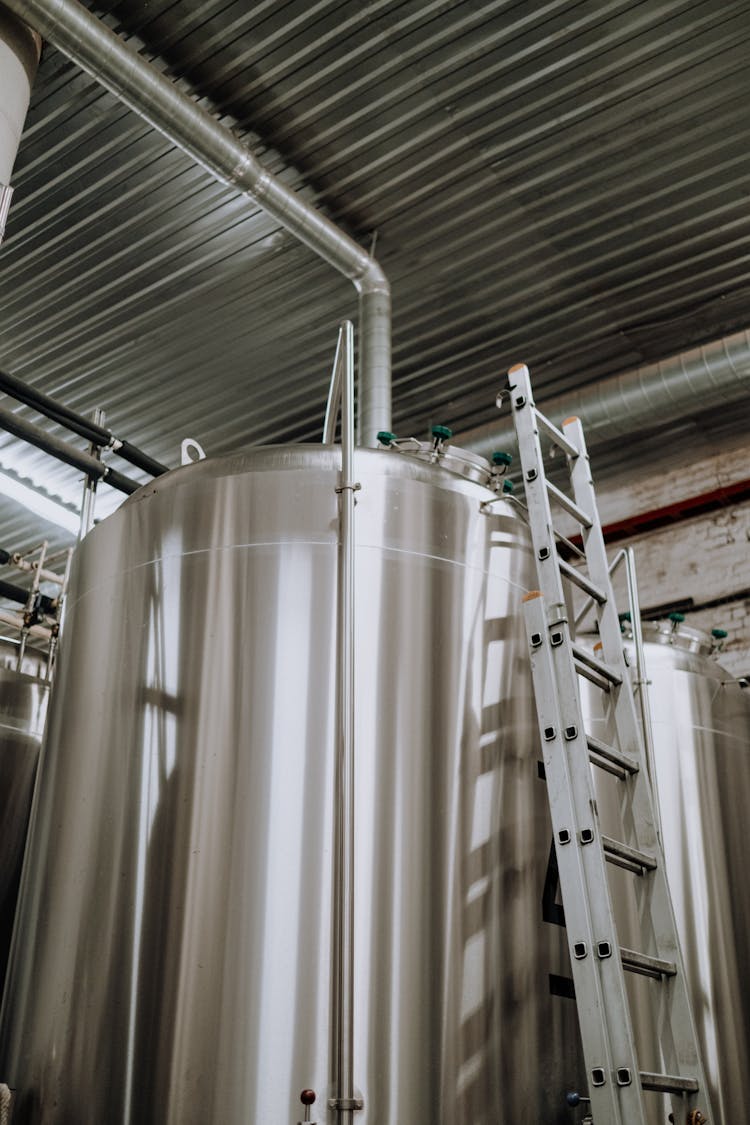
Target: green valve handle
[
  {"x": 624, "y": 617},
  {"x": 386, "y": 438},
  {"x": 508, "y": 486},
  {"x": 678, "y": 618},
  {"x": 499, "y": 458},
  {"x": 719, "y": 634},
  {"x": 442, "y": 433}
]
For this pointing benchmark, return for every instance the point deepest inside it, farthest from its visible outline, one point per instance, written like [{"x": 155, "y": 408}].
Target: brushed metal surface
[
  {"x": 701, "y": 726},
  {"x": 171, "y": 964},
  {"x": 23, "y": 705}
]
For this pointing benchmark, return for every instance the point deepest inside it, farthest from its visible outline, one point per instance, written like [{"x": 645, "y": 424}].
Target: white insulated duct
[
  {"x": 88, "y": 42},
  {"x": 703, "y": 378},
  {"x": 20, "y": 48}
]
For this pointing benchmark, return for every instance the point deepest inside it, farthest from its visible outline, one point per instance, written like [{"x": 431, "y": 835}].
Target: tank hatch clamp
[{"x": 617, "y": 1084}]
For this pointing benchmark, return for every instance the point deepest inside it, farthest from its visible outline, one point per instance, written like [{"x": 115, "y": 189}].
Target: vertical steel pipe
[
  {"x": 343, "y": 918},
  {"x": 97, "y": 50},
  {"x": 642, "y": 679},
  {"x": 20, "y": 48}
]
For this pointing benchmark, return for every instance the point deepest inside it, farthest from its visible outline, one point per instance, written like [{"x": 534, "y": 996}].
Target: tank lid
[
  {"x": 436, "y": 452},
  {"x": 674, "y": 632}
]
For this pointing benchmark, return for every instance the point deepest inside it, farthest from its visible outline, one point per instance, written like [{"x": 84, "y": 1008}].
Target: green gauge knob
[
  {"x": 508, "y": 486},
  {"x": 442, "y": 433},
  {"x": 719, "y": 634},
  {"x": 499, "y": 458},
  {"x": 386, "y": 438},
  {"x": 678, "y": 618}
]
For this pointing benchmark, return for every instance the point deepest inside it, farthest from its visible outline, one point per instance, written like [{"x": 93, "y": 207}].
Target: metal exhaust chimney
[{"x": 20, "y": 48}]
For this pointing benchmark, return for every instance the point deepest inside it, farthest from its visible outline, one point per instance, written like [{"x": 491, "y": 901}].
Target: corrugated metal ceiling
[{"x": 563, "y": 183}]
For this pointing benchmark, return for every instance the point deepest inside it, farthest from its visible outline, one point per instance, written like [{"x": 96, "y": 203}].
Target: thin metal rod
[
  {"x": 30, "y": 604},
  {"x": 345, "y": 751},
  {"x": 84, "y": 427},
  {"x": 334, "y": 394},
  {"x": 101, "y": 53},
  {"x": 34, "y": 435},
  {"x": 588, "y": 604},
  {"x": 642, "y": 679}
]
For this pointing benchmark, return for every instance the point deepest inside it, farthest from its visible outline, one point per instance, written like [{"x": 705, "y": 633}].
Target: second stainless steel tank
[
  {"x": 172, "y": 964},
  {"x": 701, "y": 733},
  {"x": 23, "y": 704}
]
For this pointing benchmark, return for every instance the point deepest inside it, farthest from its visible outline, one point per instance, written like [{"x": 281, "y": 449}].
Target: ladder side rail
[
  {"x": 676, "y": 1025},
  {"x": 541, "y": 524},
  {"x": 593, "y": 888},
  {"x": 598, "y": 975}
]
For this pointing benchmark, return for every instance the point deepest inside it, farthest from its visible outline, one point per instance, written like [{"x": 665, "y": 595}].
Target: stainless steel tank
[
  {"x": 172, "y": 962},
  {"x": 23, "y": 704},
  {"x": 701, "y": 730}
]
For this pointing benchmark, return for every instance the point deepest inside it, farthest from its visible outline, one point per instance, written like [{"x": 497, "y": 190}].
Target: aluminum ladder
[{"x": 599, "y": 963}]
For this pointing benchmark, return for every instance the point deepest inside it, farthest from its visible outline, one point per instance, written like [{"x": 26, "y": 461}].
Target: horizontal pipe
[
  {"x": 84, "y": 427},
  {"x": 89, "y": 465},
  {"x": 88, "y": 42},
  {"x": 643, "y": 399},
  {"x": 17, "y": 623},
  {"x": 20, "y": 596}
]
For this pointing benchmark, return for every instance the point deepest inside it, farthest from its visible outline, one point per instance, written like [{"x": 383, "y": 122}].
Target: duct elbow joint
[{"x": 372, "y": 281}]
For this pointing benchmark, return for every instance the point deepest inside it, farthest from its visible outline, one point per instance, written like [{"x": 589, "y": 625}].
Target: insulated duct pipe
[
  {"x": 20, "y": 49},
  {"x": 702, "y": 378},
  {"x": 98, "y": 51},
  {"x": 84, "y": 427},
  {"x": 64, "y": 452}
]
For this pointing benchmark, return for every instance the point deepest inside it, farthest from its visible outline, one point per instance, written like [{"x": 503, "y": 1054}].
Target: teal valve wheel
[
  {"x": 719, "y": 634},
  {"x": 508, "y": 487},
  {"x": 502, "y": 459},
  {"x": 442, "y": 433},
  {"x": 385, "y": 437},
  {"x": 624, "y": 617},
  {"x": 678, "y": 618}
]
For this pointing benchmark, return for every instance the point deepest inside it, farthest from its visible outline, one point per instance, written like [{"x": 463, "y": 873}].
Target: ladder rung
[
  {"x": 668, "y": 1083},
  {"x": 623, "y": 856},
  {"x": 647, "y": 966},
  {"x": 557, "y": 436},
  {"x": 581, "y": 581},
  {"x": 569, "y": 505},
  {"x": 574, "y": 550},
  {"x": 593, "y": 676},
  {"x": 585, "y": 657},
  {"x": 621, "y": 762}
]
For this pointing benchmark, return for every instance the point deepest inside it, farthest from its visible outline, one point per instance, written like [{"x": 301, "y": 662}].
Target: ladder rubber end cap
[
  {"x": 532, "y": 594},
  {"x": 516, "y": 367},
  {"x": 569, "y": 421}
]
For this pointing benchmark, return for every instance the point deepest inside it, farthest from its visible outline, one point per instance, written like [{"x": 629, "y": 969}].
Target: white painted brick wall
[{"x": 704, "y": 558}]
